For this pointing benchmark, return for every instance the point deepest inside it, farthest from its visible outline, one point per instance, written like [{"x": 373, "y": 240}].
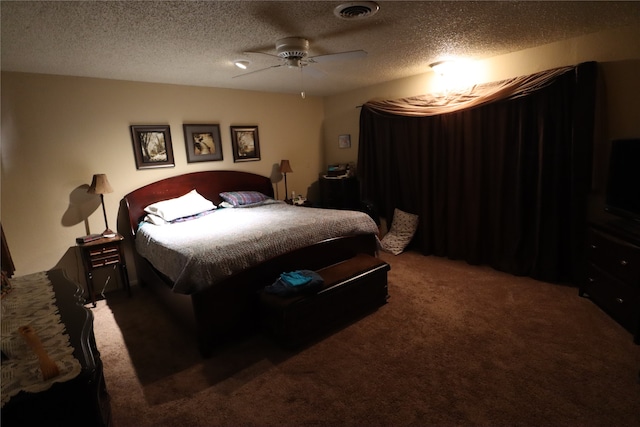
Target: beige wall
[
  {"x": 58, "y": 131},
  {"x": 618, "y": 50}
]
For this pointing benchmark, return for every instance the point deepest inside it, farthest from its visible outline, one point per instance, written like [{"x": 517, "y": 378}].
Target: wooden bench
[{"x": 351, "y": 289}]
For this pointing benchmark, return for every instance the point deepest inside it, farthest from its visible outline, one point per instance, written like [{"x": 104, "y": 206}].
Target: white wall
[{"x": 59, "y": 131}]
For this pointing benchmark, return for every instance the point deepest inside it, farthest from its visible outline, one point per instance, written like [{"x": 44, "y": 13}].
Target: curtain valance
[{"x": 430, "y": 105}]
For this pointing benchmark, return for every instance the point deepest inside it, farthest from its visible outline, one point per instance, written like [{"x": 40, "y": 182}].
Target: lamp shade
[
  {"x": 100, "y": 185},
  {"x": 285, "y": 167}
]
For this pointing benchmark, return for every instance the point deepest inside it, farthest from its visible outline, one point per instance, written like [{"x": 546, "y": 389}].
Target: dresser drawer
[
  {"x": 617, "y": 257},
  {"x": 618, "y": 299}
]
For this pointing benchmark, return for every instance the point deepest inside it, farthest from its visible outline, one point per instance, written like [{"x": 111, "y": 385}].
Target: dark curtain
[{"x": 504, "y": 183}]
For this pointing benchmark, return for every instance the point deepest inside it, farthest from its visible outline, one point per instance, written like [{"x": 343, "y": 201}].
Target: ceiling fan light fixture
[
  {"x": 243, "y": 64},
  {"x": 356, "y": 10},
  {"x": 292, "y": 47},
  {"x": 293, "y": 53},
  {"x": 293, "y": 62}
]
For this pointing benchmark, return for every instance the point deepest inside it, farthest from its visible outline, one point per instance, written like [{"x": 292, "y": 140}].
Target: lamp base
[{"x": 108, "y": 233}]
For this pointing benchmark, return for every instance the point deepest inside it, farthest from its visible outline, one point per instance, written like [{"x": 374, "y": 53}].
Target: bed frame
[{"x": 230, "y": 309}]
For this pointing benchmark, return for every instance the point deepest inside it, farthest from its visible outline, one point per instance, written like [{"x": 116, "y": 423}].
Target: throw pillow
[
  {"x": 243, "y": 198},
  {"x": 191, "y": 203},
  {"x": 403, "y": 227}
]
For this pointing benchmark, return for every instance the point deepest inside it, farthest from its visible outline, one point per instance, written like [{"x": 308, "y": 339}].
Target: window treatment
[{"x": 498, "y": 175}]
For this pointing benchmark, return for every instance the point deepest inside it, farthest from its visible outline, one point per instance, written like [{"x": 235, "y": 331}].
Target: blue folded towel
[
  {"x": 295, "y": 278},
  {"x": 295, "y": 282}
]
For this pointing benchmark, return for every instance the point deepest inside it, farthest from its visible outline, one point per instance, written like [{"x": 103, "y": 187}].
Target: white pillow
[
  {"x": 155, "y": 220},
  {"x": 190, "y": 204},
  {"x": 403, "y": 228}
]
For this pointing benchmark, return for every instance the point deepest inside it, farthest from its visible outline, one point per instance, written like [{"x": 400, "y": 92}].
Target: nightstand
[
  {"x": 104, "y": 252},
  {"x": 340, "y": 193}
]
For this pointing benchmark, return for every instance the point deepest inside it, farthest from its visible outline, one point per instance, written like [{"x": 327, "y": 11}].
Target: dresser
[
  {"x": 613, "y": 272},
  {"x": 78, "y": 396}
]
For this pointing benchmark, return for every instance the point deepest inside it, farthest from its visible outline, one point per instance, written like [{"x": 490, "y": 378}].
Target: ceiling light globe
[{"x": 242, "y": 64}]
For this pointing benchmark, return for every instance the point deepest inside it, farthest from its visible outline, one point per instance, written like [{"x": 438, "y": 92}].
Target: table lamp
[
  {"x": 285, "y": 168},
  {"x": 100, "y": 185}
]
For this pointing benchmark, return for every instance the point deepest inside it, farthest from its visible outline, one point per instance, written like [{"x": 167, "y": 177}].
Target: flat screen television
[{"x": 622, "y": 196}]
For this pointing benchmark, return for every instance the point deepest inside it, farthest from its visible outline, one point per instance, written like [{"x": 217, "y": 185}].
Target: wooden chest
[{"x": 352, "y": 289}]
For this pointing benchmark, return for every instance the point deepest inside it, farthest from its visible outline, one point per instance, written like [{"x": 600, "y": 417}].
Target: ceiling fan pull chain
[{"x": 302, "y": 94}]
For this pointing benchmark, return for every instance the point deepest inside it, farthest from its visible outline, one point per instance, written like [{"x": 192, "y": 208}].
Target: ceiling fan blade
[
  {"x": 341, "y": 56},
  {"x": 257, "y": 71},
  {"x": 314, "y": 72}
]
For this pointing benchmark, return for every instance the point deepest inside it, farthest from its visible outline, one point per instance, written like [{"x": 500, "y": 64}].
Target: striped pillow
[{"x": 243, "y": 198}]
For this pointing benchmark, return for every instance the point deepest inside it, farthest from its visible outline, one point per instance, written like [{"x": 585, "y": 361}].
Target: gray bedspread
[{"x": 199, "y": 253}]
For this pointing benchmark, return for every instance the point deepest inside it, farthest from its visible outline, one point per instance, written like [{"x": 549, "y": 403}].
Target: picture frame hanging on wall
[
  {"x": 203, "y": 142},
  {"x": 152, "y": 146},
  {"x": 344, "y": 141},
  {"x": 245, "y": 143}
]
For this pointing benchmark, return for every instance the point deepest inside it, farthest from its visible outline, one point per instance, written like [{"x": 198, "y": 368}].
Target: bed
[{"x": 211, "y": 286}]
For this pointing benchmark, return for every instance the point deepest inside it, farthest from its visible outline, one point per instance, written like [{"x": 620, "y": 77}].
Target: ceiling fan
[{"x": 293, "y": 52}]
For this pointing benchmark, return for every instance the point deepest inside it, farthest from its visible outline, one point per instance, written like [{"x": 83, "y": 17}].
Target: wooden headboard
[{"x": 208, "y": 183}]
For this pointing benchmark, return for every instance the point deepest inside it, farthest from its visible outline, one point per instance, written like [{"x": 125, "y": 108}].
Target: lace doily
[{"x": 32, "y": 302}]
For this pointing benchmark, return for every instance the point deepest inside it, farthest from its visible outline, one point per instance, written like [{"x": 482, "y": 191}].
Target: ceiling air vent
[{"x": 356, "y": 10}]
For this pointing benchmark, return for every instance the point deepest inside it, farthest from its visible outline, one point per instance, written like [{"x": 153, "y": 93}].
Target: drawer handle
[
  {"x": 623, "y": 263},
  {"x": 619, "y": 300}
]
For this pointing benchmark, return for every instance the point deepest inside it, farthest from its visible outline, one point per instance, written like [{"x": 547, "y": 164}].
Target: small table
[{"x": 103, "y": 252}]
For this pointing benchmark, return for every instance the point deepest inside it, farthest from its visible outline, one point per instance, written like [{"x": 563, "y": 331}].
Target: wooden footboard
[{"x": 230, "y": 309}]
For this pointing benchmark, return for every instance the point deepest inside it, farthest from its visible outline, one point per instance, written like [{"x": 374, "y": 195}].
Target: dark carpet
[{"x": 456, "y": 345}]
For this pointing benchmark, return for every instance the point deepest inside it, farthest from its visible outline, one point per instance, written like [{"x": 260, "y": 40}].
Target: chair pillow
[
  {"x": 403, "y": 227},
  {"x": 190, "y": 204}
]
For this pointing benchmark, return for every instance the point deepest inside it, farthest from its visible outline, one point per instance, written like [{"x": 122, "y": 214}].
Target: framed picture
[
  {"x": 152, "y": 146},
  {"x": 245, "y": 142},
  {"x": 344, "y": 141},
  {"x": 203, "y": 143}
]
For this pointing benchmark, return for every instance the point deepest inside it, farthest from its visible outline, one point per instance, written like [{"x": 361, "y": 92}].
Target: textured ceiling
[{"x": 195, "y": 42}]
